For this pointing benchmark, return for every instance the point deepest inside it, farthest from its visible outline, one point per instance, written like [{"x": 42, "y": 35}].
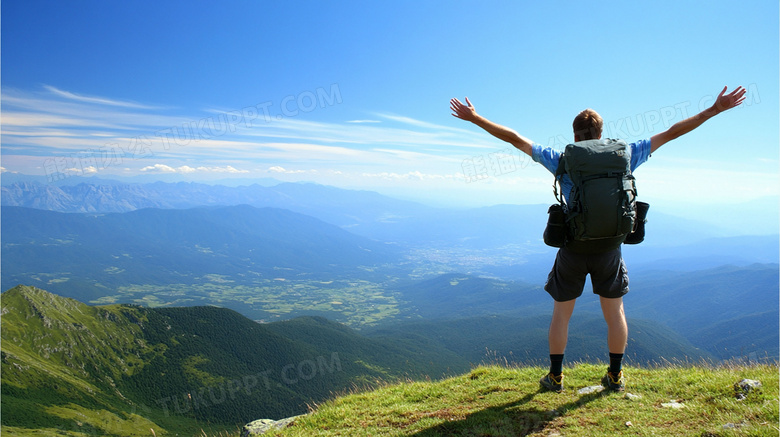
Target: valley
[{"x": 353, "y": 302}]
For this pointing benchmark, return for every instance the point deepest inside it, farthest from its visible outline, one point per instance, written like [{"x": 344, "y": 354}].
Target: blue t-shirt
[{"x": 549, "y": 158}]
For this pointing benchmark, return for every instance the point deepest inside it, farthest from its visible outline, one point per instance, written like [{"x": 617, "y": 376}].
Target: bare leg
[
  {"x": 559, "y": 326},
  {"x": 617, "y": 329}
]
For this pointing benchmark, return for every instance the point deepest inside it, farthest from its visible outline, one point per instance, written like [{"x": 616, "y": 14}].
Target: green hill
[
  {"x": 501, "y": 401},
  {"x": 121, "y": 370}
]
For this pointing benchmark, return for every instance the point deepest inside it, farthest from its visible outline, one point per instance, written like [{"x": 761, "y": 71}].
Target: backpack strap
[{"x": 559, "y": 172}]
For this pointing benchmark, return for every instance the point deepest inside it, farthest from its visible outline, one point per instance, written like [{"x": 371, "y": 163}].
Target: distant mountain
[
  {"x": 704, "y": 254},
  {"x": 710, "y": 307},
  {"x": 155, "y": 246},
  {"x": 689, "y": 301},
  {"x": 500, "y": 240},
  {"x": 346, "y": 208},
  {"x": 752, "y": 336},
  {"x": 361, "y": 212},
  {"x": 121, "y": 370},
  {"x": 730, "y": 311},
  {"x": 720, "y": 313},
  {"x": 522, "y": 339}
]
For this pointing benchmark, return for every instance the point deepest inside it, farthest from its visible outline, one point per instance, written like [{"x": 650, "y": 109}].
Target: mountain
[
  {"x": 673, "y": 315},
  {"x": 346, "y": 208},
  {"x": 704, "y": 254},
  {"x": 121, "y": 369},
  {"x": 729, "y": 311},
  {"x": 87, "y": 255},
  {"x": 500, "y": 240},
  {"x": 362, "y": 212},
  {"x": 753, "y": 336},
  {"x": 522, "y": 339},
  {"x": 687, "y": 301}
]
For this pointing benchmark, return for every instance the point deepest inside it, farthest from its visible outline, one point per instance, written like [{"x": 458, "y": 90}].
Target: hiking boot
[
  {"x": 552, "y": 383},
  {"x": 613, "y": 382}
]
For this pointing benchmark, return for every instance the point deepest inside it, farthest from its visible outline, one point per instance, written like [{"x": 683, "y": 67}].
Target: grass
[{"x": 500, "y": 401}]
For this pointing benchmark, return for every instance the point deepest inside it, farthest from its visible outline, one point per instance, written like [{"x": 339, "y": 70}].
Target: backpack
[{"x": 601, "y": 207}]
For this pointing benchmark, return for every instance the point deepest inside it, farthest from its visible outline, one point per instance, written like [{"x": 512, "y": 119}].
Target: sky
[{"x": 356, "y": 94}]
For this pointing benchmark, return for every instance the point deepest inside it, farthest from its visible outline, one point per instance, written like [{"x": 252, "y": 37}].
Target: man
[{"x": 609, "y": 276}]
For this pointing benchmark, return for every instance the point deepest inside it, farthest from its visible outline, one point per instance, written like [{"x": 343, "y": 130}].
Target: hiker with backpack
[{"x": 598, "y": 212}]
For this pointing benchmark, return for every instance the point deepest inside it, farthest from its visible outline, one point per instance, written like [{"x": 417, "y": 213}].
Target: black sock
[
  {"x": 556, "y": 364},
  {"x": 615, "y": 363}
]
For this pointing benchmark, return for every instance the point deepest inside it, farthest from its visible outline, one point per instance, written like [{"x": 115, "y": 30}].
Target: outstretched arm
[
  {"x": 468, "y": 113},
  {"x": 722, "y": 103}
]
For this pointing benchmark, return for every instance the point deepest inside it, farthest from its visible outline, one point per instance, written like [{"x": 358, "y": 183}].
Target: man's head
[{"x": 587, "y": 125}]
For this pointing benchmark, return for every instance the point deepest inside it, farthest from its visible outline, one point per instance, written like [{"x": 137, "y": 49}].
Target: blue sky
[{"x": 356, "y": 94}]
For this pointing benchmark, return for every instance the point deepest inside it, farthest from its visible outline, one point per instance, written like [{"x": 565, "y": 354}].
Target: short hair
[{"x": 587, "y": 125}]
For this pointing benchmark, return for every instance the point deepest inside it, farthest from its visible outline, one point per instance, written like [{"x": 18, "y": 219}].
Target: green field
[{"x": 353, "y": 302}]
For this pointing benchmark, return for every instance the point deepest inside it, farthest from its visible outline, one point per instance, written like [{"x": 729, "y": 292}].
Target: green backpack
[{"x": 601, "y": 208}]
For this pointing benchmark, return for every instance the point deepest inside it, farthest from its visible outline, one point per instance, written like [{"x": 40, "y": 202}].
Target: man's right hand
[
  {"x": 468, "y": 113},
  {"x": 464, "y": 112}
]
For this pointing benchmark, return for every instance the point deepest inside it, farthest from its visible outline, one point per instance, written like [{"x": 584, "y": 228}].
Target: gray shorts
[{"x": 608, "y": 274}]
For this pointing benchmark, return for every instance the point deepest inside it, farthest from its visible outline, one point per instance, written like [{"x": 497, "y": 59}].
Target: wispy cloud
[
  {"x": 96, "y": 100},
  {"x": 58, "y": 123}
]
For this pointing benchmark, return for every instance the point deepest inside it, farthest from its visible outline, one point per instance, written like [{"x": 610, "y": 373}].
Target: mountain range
[
  {"x": 270, "y": 263},
  {"x": 101, "y": 251},
  {"x": 514, "y": 230},
  {"x": 260, "y": 260}
]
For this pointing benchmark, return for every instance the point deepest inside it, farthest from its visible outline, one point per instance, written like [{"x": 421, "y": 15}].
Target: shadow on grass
[{"x": 515, "y": 418}]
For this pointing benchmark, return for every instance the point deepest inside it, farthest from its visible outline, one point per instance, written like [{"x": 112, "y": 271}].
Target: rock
[
  {"x": 262, "y": 426},
  {"x": 735, "y": 425},
  {"x": 747, "y": 385},
  {"x": 591, "y": 389},
  {"x": 673, "y": 404},
  {"x": 633, "y": 397}
]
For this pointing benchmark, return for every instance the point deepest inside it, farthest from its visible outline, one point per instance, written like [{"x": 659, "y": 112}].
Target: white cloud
[
  {"x": 225, "y": 169},
  {"x": 38, "y": 126},
  {"x": 159, "y": 168},
  {"x": 412, "y": 175},
  {"x": 186, "y": 169},
  {"x": 97, "y": 100},
  {"x": 278, "y": 169}
]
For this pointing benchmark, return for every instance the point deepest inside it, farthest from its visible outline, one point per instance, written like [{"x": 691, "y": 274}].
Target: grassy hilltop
[{"x": 500, "y": 401}]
